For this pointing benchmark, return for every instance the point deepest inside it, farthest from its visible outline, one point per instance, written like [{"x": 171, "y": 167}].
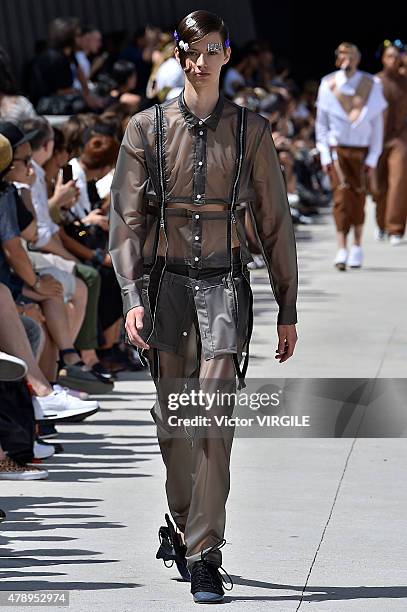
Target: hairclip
[
  {"x": 388, "y": 43},
  {"x": 183, "y": 45},
  {"x": 214, "y": 46},
  {"x": 190, "y": 22},
  {"x": 175, "y": 35},
  {"x": 227, "y": 43}
]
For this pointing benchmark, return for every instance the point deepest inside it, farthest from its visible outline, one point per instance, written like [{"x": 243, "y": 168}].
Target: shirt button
[
  {"x": 200, "y": 163},
  {"x": 198, "y": 197},
  {"x": 196, "y": 258},
  {"x": 184, "y": 333},
  {"x": 201, "y": 133},
  {"x": 197, "y": 287},
  {"x": 196, "y": 237},
  {"x": 196, "y": 216},
  {"x": 200, "y": 123}
]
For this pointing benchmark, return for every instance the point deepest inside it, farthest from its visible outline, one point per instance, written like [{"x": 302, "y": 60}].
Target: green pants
[{"x": 88, "y": 337}]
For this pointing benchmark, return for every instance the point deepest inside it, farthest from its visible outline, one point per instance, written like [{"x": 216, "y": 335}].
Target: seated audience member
[
  {"x": 44, "y": 289},
  {"x": 54, "y": 71},
  {"x": 88, "y": 45},
  {"x": 13, "y": 107}
]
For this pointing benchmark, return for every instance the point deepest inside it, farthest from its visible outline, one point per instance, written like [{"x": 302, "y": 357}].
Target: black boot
[
  {"x": 172, "y": 549},
  {"x": 206, "y": 579}
]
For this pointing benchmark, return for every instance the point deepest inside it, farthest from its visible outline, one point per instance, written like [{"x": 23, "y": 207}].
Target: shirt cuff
[
  {"x": 371, "y": 159},
  {"x": 324, "y": 155},
  {"x": 131, "y": 299},
  {"x": 287, "y": 315}
]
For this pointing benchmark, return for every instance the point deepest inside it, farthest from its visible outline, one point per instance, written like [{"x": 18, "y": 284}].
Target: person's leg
[
  {"x": 381, "y": 195},
  {"x": 396, "y": 210},
  {"x": 49, "y": 357},
  {"x": 76, "y": 308},
  {"x": 14, "y": 341},
  {"x": 210, "y": 461},
  {"x": 174, "y": 445},
  {"x": 87, "y": 337},
  {"x": 111, "y": 335},
  {"x": 56, "y": 317}
]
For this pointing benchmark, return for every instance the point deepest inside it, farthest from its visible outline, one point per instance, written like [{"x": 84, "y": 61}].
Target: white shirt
[
  {"x": 232, "y": 77},
  {"x": 83, "y": 205},
  {"x": 333, "y": 126},
  {"x": 170, "y": 74},
  {"x": 85, "y": 65},
  {"x": 39, "y": 197}
]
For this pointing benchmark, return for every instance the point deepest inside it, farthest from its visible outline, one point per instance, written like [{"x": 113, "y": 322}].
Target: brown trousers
[
  {"x": 197, "y": 459},
  {"x": 348, "y": 181},
  {"x": 391, "y": 199}
]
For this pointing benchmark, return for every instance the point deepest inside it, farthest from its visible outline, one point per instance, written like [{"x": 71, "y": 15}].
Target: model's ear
[
  {"x": 227, "y": 56},
  {"x": 176, "y": 55}
]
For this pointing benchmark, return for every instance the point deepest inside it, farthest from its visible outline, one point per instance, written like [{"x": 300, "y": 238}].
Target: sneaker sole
[
  {"x": 340, "y": 266},
  {"x": 218, "y": 599},
  {"x": 93, "y": 388},
  {"x": 28, "y": 476},
  {"x": 67, "y": 417},
  {"x": 11, "y": 371}
]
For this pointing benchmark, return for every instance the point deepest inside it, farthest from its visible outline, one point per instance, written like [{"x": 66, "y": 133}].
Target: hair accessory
[
  {"x": 175, "y": 35},
  {"x": 214, "y": 46},
  {"x": 190, "y": 22},
  {"x": 227, "y": 43},
  {"x": 388, "y": 43},
  {"x": 183, "y": 45}
]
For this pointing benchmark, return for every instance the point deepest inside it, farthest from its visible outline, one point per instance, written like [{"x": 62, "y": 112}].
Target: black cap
[{"x": 14, "y": 135}]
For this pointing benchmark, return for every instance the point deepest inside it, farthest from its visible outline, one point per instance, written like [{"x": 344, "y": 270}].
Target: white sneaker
[
  {"x": 396, "y": 239},
  {"x": 59, "y": 406},
  {"x": 11, "y": 368},
  {"x": 355, "y": 259},
  {"x": 341, "y": 259},
  {"x": 43, "y": 451},
  {"x": 10, "y": 470},
  {"x": 80, "y": 394},
  {"x": 380, "y": 235}
]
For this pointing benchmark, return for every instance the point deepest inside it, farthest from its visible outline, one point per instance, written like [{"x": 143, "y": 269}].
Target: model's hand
[
  {"x": 287, "y": 338},
  {"x": 134, "y": 322}
]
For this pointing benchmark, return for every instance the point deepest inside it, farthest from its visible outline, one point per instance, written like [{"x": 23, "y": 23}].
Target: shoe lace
[{"x": 205, "y": 575}]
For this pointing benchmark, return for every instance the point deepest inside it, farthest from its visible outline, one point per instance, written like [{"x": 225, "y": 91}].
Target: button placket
[
  {"x": 199, "y": 164},
  {"x": 196, "y": 232}
]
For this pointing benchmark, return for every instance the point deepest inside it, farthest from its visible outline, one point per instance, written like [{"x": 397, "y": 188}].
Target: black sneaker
[
  {"x": 206, "y": 579},
  {"x": 172, "y": 549}
]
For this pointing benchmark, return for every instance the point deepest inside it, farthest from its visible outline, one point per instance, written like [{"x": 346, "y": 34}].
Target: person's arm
[
  {"x": 127, "y": 215},
  {"x": 19, "y": 261},
  {"x": 98, "y": 256},
  {"x": 272, "y": 221},
  {"x": 376, "y": 141},
  {"x": 321, "y": 136},
  {"x": 55, "y": 246}
]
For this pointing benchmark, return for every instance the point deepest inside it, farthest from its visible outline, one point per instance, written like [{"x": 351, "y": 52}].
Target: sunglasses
[{"x": 26, "y": 160}]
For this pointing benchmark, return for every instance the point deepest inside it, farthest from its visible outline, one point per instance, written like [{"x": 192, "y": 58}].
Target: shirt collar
[
  {"x": 39, "y": 171},
  {"x": 193, "y": 121}
]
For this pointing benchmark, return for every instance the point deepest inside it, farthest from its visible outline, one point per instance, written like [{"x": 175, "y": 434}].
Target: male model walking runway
[
  {"x": 391, "y": 198},
  {"x": 349, "y": 134},
  {"x": 180, "y": 252}
]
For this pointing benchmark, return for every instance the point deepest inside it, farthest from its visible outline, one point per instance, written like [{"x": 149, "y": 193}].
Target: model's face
[
  {"x": 391, "y": 59},
  {"x": 347, "y": 59},
  {"x": 203, "y": 66}
]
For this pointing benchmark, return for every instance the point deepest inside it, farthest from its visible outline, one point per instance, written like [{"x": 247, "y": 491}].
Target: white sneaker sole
[{"x": 25, "y": 475}]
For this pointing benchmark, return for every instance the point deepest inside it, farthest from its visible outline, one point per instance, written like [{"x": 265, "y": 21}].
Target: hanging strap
[
  {"x": 240, "y": 152},
  {"x": 160, "y": 159}
]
